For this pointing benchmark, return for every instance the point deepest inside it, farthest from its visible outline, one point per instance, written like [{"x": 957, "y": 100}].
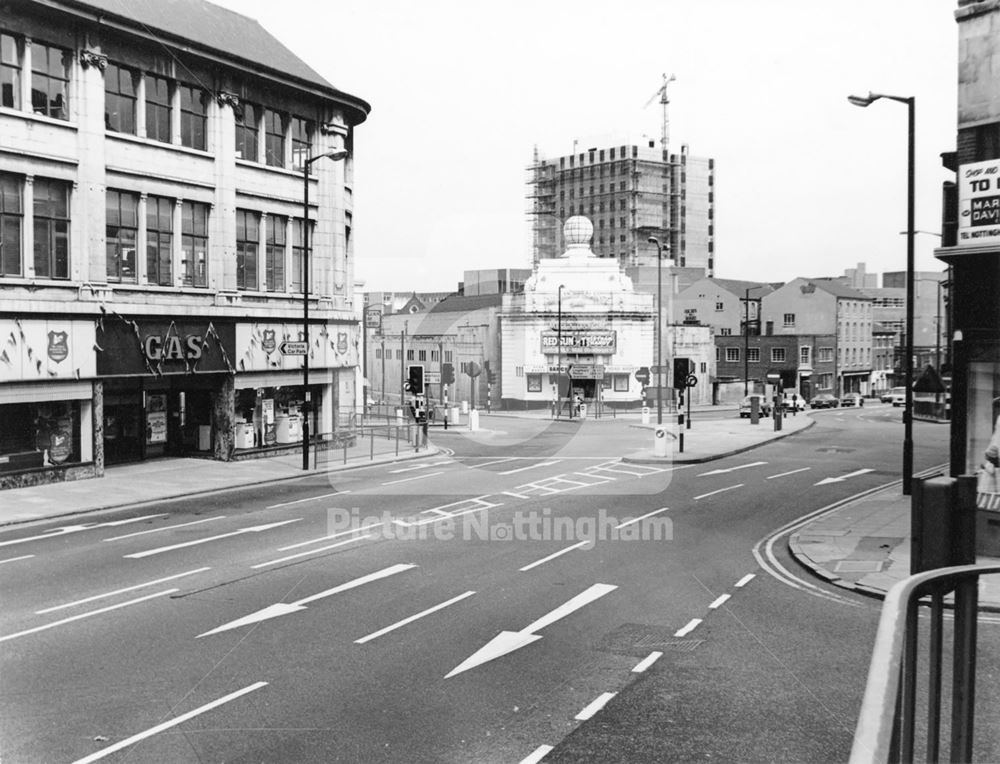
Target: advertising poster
[
  {"x": 979, "y": 203},
  {"x": 156, "y": 419},
  {"x": 268, "y": 425},
  {"x": 983, "y": 432}
]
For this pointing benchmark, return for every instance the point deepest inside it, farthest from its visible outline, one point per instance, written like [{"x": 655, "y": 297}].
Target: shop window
[
  {"x": 119, "y": 99},
  {"x": 159, "y": 240},
  {"x": 51, "y": 228},
  {"x": 297, "y": 251},
  {"x": 39, "y": 434},
  {"x": 49, "y": 80},
  {"x": 158, "y": 108},
  {"x": 620, "y": 382},
  {"x": 11, "y": 216},
  {"x": 247, "y": 118},
  {"x": 274, "y": 138},
  {"x": 194, "y": 243},
  {"x": 121, "y": 229},
  {"x": 194, "y": 117},
  {"x": 10, "y": 71},
  {"x": 302, "y": 133},
  {"x": 534, "y": 382},
  {"x": 275, "y": 255},
  {"x": 247, "y": 246}
]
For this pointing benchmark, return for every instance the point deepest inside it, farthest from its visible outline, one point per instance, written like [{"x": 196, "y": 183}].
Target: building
[
  {"x": 494, "y": 281},
  {"x": 153, "y": 237},
  {"x": 631, "y": 192},
  {"x": 726, "y": 305},
  {"x": 804, "y": 363}
]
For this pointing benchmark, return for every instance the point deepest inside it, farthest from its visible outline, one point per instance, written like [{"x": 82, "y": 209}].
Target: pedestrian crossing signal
[{"x": 414, "y": 380}]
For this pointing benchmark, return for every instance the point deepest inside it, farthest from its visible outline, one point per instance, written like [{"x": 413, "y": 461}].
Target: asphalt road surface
[{"x": 525, "y": 594}]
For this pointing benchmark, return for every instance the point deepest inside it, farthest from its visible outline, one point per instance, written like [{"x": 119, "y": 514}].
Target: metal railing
[{"x": 886, "y": 730}]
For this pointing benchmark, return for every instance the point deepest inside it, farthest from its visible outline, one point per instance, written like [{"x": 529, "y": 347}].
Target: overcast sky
[{"x": 462, "y": 92}]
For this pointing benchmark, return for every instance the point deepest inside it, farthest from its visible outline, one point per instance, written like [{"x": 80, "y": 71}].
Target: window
[
  {"x": 825, "y": 355},
  {"x": 10, "y": 71},
  {"x": 194, "y": 243},
  {"x": 158, "y": 108},
  {"x": 119, "y": 99},
  {"x": 725, "y": 332},
  {"x": 159, "y": 240},
  {"x": 719, "y": 306},
  {"x": 732, "y": 355},
  {"x": 49, "y": 80},
  {"x": 804, "y": 355},
  {"x": 275, "y": 255},
  {"x": 247, "y": 244},
  {"x": 777, "y": 355},
  {"x": 753, "y": 355},
  {"x": 409, "y": 354},
  {"x": 399, "y": 355},
  {"x": 51, "y": 208},
  {"x": 378, "y": 354},
  {"x": 534, "y": 382},
  {"x": 274, "y": 138},
  {"x": 10, "y": 225},
  {"x": 297, "y": 254},
  {"x": 194, "y": 117},
  {"x": 121, "y": 229},
  {"x": 620, "y": 382},
  {"x": 447, "y": 356},
  {"x": 788, "y": 320},
  {"x": 421, "y": 355},
  {"x": 302, "y": 131},
  {"x": 246, "y": 131}
]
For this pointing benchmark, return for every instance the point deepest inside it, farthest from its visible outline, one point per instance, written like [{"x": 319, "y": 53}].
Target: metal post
[
  {"x": 659, "y": 333},
  {"x": 402, "y": 365},
  {"x": 908, "y": 361},
  {"x": 305, "y": 315},
  {"x": 746, "y": 345},
  {"x": 559, "y": 353}
]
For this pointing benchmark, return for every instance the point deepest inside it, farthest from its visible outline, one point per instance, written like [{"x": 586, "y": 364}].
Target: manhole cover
[
  {"x": 835, "y": 450},
  {"x": 639, "y": 639},
  {"x": 858, "y": 566}
]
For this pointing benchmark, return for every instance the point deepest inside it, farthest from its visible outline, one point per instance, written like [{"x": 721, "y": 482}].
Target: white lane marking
[
  {"x": 331, "y": 537},
  {"x": 130, "y": 520},
  {"x": 420, "y": 467},
  {"x": 86, "y": 615},
  {"x": 415, "y": 477},
  {"x": 646, "y": 662},
  {"x": 718, "y": 602},
  {"x": 842, "y": 478},
  {"x": 745, "y": 580},
  {"x": 165, "y": 528},
  {"x": 529, "y": 467},
  {"x": 721, "y": 490},
  {"x": 15, "y": 559},
  {"x": 784, "y": 474},
  {"x": 561, "y": 552},
  {"x": 308, "y": 498},
  {"x": 496, "y": 461},
  {"x": 643, "y": 517},
  {"x": 509, "y": 641},
  {"x": 412, "y": 618},
  {"x": 732, "y": 469},
  {"x": 595, "y": 705},
  {"x": 515, "y": 495},
  {"x": 592, "y": 476},
  {"x": 691, "y": 626},
  {"x": 67, "y": 529},
  {"x": 537, "y": 755},
  {"x": 241, "y": 531},
  {"x": 310, "y": 551},
  {"x": 169, "y": 723},
  {"x": 284, "y": 608},
  {"x": 121, "y": 591}
]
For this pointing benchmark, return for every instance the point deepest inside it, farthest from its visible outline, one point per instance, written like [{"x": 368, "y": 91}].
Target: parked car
[
  {"x": 897, "y": 396},
  {"x": 824, "y": 401},
  {"x": 852, "y": 399},
  {"x": 886, "y": 396},
  {"x": 763, "y": 407},
  {"x": 798, "y": 402}
]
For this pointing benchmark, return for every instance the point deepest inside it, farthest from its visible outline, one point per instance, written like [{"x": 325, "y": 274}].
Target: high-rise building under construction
[{"x": 630, "y": 192}]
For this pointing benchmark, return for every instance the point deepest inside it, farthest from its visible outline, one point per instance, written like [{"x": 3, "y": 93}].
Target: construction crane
[{"x": 664, "y": 100}]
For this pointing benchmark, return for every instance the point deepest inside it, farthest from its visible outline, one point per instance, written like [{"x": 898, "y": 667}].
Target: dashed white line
[
  {"x": 169, "y": 723},
  {"x": 529, "y": 467},
  {"x": 308, "y": 498},
  {"x": 165, "y": 528},
  {"x": 537, "y": 755},
  {"x": 553, "y": 556},
  {"x": 241, "y": 531},
  {"x": 120, "y": 591},
  {"x": 718, "y": 602},
  {"x": 646, "y": 662},
  {"x": 495, "y": 461},
  {"x": 643, "y": 517},
  {"x": 721, "y": 490},
  {"x": 419, "y": 467},
  {"x": 784, "y": 474},
  {"x": 332, "y": 536},
  {"x": 691, "y": 626},
  {"x": 15, "y": 559},
  {"x": 311, "y": 551},
  {"x": 415, "y": 477},
  {"x": 412, "y": 618},
  {"x": 594, "y": 706},
  {"x": 745, "y": 580}
]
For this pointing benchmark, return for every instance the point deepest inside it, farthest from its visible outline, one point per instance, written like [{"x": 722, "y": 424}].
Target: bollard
[
  {"x": 397, "y": 441},
  {"x": 371, "y": 449},
  {"x": 345, "y": 452}
]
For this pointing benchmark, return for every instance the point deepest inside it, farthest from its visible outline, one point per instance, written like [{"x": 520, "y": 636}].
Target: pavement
[{"x": 862, "y": 544}]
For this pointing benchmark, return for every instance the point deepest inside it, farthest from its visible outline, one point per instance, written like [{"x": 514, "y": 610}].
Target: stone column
[
  {"x": 98, "y": 417},
  {"x": 223, "y": 419}
]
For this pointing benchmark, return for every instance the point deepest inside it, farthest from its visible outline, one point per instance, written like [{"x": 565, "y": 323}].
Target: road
[{"x": 478, "y": 606}]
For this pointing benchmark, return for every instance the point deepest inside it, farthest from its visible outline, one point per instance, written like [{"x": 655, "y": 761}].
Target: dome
[{"x": 578, "y": 231}]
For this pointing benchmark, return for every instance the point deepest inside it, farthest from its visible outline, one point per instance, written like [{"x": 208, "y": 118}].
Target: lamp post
[
  {"x": 336, "y": 155},
  {"x": 559, "y": 353},
  {"x": 659, "y": 327},
  {"x": 911, "y": 105}
]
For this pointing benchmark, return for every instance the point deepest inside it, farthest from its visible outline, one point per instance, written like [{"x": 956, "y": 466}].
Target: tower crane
[{"x": 664, "y": 100}]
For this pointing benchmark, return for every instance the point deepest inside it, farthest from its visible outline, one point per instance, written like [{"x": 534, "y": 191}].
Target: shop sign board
[
  {"x": 586, "y": 371},
  {"x": 979, "y": 203},
  {"x": 46, "y": 350},
  {"x": 603, "y": 342},
  {"x": 259, "y": 346},
  {"x": 138, "y": 347}
]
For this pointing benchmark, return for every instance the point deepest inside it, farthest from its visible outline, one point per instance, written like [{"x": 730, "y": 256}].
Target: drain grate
[{"x": 640, "y": 638}]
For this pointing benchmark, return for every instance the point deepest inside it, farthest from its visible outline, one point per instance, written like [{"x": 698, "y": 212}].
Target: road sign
[
  {"x": 432, "y": 377},
  {"x": 586, "y": 371},
  {"x": 691, "y": 380},
  {"x": 293, "y": 347},
  {"x": 658, "y": 369},
  {"x": 373, "y": 318},
  {"x": 642, "y": 375}
]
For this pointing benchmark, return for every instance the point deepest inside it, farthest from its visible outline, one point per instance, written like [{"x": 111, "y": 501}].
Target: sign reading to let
[
  {"x": 603, "y": 342},
  {"x": 979, "y": 203}
]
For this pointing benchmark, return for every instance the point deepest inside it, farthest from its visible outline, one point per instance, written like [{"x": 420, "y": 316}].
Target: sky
[{"x": 462, "y": 92}]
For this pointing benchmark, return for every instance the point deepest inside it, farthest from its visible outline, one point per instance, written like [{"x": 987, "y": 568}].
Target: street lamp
[
  {"x": 911, "y": 105},
  {"x": 336, "y": 155},
  {"x": 659, "y": 327},
  {"x": 559, "y": 354}
]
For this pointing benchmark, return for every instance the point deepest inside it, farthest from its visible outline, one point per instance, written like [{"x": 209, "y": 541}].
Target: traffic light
[
  {"x": 682, "y": 367},
  {"x": 415, "y": 379},
  {"x": 448, "y": 373},
  {"x": 491, "y": 377}
]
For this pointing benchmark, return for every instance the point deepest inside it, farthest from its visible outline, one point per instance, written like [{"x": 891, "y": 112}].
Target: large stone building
[{"x": 153, "y": 237}]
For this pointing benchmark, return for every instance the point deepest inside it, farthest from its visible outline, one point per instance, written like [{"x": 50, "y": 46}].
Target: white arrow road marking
[
  {"x": 529, "y": 467},
  {"x": 168, "y": 724},
  {"x": 241, "y": 531},
  {"x": 646, "y": 662},
  {"x": 165, "y": 528},
  {"x": 721, "y": 490},
  {"x": 595, "y": 705},
  {"x": 783, "y": 474},
  {"x": 509, "y": 641},
  {"x": 412, "y": 618},
  {"x": 284, "y": 608},
  {"x": 121, "y": 591},
  {"x": 67, "y": 529},
  {"x": 691, "y": 626},
  {"x": 732, "y": 469},
  {"x": 842, "y": 478}
]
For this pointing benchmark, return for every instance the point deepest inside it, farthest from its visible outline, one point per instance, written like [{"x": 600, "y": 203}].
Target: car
[
  {"x": 886, "y": 396},
  {"x": 794, "y": 402},
  {"x": 764, "y": 408},
  {"x": 897, "y": 396},
  {"x": 824, "y": 401},
  {"x": 852, "y": 399}
]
